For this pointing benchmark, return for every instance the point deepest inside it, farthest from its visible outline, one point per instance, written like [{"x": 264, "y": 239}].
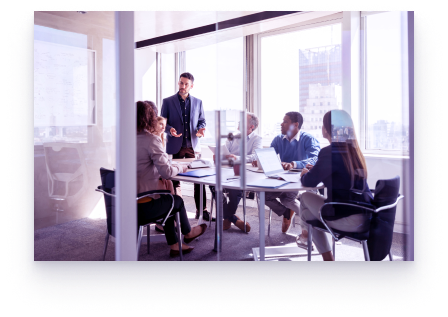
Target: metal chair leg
[
  {"x": 334, "y": 248},
  {"x": 139, "y": 240},
  {"x": 366, "y": 250},
  {"x": 179, "y": 233},
  {"x": 105, "y": 245},
  {"x": 310, "y": 241},
  {"x": 390, "y": 256},
  {"x": 147, "y": 237},
  {"x": 211, "y": 213},
  {"x": 269, "y": 224}
]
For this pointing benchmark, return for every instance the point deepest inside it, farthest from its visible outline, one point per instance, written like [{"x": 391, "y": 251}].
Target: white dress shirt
[
  {"x": 253, "y": 142},
  {"x": 296, "y": 137}
]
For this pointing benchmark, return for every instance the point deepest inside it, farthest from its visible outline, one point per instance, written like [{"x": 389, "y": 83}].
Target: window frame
[
  {"x": 363, "y": 96},
  {"x": 328, "y": 20}
]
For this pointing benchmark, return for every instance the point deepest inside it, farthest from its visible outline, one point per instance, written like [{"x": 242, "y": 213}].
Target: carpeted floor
[{"x": 83, "y": 240}]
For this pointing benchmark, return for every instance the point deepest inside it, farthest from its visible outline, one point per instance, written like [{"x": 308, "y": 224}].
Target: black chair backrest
[
  {"x": 108, "y": 183},
  {"x": 382, "y": 223}
]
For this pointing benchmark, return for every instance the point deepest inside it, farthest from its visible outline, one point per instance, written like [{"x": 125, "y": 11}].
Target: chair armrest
[
  {"x": 353, "y": 204},
  {"x": 153, "y": 192},
  {"x": 391, "y": 205},
  {"x": 101, "y": 190},
  {"x": 365, "y": 207}
]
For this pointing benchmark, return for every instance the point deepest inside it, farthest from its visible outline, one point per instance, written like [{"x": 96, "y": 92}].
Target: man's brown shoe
[
  {"x": 226, "y": 224},
  {"x": 240, "y": 224},
  {"x": 287, "y": 222}
]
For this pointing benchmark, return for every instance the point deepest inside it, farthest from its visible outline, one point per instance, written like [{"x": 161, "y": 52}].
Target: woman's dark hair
[
  {"x": 295, "y": 117},
  {"x": 352, "y": 156},
  {"x": 153, "y": 105},
  {"x": 146, "y": 117}
]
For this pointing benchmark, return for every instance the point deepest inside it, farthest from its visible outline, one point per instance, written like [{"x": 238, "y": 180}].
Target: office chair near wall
[
  {"x": 66, "y": 172},
  {"x": 108, "y": 189},
  {"x": 377, "y": 240}
]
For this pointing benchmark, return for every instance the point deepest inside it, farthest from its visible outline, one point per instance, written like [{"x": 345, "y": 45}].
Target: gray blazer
[
  {"x": 152, "y": 163},
  {"x": 173, "y": 114}
]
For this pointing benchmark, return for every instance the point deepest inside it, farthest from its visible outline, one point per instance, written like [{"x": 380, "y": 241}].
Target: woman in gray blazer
[{"x": 152, "y": 166}]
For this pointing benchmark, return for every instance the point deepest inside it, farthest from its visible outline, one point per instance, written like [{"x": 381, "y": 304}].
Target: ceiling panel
[
  {"x": 150, "y": 24},
  {"x": 240, "y": 31}
]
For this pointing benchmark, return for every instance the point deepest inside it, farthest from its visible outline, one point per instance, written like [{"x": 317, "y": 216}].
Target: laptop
[{"x": 272, "y": 166}]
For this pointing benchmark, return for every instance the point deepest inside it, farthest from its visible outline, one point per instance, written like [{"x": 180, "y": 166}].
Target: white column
[
  {"x": 125, "y": 175},
  {"x": 408, "y": 179},
  {"x": 351, "y": 49}
]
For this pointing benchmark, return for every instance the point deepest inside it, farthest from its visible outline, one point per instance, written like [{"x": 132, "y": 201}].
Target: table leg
[
  {"x": 244, "y": 210},
  {"x": 261, "y": 218},
  {"x": 201, "y": 207}
]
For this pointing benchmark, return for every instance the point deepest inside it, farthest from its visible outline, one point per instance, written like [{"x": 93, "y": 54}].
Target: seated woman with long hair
[
  {"x": 152, "y": 167},
  {"x": 342, "y": 168}
]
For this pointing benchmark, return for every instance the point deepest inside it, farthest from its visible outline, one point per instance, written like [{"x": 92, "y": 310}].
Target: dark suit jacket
[{"x": 173, "y": 114}]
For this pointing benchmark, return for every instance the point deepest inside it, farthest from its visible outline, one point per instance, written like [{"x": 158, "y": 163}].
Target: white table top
[{"x": 227, "y": 172}]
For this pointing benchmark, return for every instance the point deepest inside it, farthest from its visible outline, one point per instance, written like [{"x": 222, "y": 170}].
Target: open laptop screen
[{"x": 269, "y": 161}]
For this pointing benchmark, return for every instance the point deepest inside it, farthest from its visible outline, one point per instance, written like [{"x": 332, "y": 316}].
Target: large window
[
  {"x": 387, "y": 112},
  {"x": 300, "y": 71},
  {"x": 218, "y": 82},
  {"x": 63, "y": 105}
]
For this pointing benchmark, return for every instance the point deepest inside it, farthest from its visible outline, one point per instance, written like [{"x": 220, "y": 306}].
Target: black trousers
[
  {"x": 159, "y": 208},
  {"x": 189, "y": 153},
  {"x": 229, "y": 207}
]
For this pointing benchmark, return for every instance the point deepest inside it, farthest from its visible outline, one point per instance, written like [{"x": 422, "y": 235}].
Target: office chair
[
  {"x": 108, "y": 189},
  {"x": 65, "y": 163},
  {"x": 377, "y": 240}
]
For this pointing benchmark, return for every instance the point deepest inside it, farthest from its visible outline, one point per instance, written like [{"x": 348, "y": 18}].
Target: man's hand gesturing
[
  {"x": 174, "y": 133},
  {"x": 201, "y": 132}
]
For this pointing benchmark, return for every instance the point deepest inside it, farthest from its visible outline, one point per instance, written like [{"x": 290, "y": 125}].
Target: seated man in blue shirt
[
  {"x": 253, "y": 142},
  {"x": 296, "y": 149}
]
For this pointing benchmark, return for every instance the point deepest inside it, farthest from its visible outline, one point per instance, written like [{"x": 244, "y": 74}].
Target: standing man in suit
[{"x": 185, "y": 124}]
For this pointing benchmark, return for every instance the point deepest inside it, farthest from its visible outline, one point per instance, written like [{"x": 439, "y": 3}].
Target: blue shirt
[{"x": 302, "y": 149}]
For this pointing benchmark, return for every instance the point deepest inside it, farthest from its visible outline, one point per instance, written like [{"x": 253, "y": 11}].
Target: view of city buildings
[
  {"x": 387, "y": 135},
  {"x": 319, "y": 86}
]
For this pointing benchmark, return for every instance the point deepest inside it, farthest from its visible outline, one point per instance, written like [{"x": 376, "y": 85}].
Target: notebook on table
[
  {"x": 199, "y": 173},
  {"x": 272, "y": 167}
]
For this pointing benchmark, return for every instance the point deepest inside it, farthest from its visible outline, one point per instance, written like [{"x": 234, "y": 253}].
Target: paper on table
[
  {"x": 213, "y": 179},
  {"x": 267, "y": 183},
  {"x": 289, "y": 177},
  {"x": 224, "y": 150}
]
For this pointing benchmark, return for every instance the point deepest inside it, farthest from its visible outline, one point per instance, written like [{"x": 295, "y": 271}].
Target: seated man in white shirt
[{"x": 253, "y": 142}]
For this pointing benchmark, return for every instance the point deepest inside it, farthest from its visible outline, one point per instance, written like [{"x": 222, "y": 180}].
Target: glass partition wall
[{"x": 74, "y": 118}]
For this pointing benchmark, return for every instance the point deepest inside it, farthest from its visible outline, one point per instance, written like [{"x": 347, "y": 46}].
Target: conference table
[{"x": 251, "y": 176}]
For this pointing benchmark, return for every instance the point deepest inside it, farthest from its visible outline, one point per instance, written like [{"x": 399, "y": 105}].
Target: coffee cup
[{"x": 236, "y": 169}]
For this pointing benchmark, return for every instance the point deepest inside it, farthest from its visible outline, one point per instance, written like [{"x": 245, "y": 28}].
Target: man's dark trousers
[{"x": 189, "y": 153}]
